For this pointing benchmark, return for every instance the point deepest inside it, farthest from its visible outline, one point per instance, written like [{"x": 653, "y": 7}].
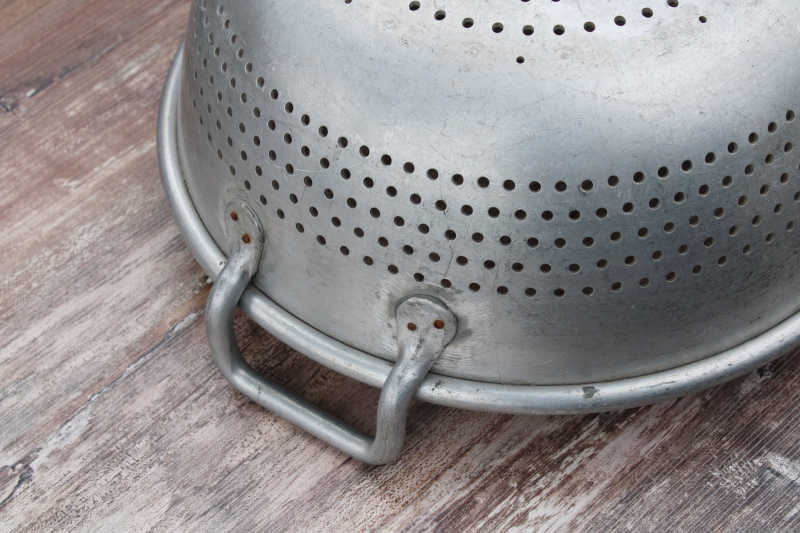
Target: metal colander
[{"x": 598, "y": 199}]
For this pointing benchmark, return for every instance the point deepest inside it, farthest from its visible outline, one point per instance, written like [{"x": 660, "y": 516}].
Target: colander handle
[{"x": 425, "y": 327}]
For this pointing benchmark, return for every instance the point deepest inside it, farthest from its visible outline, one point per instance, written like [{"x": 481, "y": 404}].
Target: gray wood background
[{"x": 113, "y": 417}]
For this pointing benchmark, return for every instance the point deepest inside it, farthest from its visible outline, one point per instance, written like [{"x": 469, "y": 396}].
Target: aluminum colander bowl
[{"x": 522, "y": 207}]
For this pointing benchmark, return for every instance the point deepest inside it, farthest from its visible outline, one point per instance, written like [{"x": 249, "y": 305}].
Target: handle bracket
[{"x": 424, "y": 328}]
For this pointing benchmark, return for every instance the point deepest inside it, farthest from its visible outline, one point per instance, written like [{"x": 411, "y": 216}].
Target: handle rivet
[
  {"x": 234, "y": 216},
  {"x": 412, "y": 326},
  {"x": 246, "y": 238},
  {"x": 438, "y": 324}
]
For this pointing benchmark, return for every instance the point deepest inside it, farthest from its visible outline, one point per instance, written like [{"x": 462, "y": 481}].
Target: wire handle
[{"x": 424, "y": 328}]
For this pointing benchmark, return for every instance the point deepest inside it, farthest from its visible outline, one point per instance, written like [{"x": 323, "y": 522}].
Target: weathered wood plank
[
  {"x": 113, "y": 417},
  {"x": 172, "y": 442},
  {"x": 86, "y": 234}
]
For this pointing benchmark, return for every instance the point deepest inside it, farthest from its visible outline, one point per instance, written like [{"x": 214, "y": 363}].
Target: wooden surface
[{"x": 113, "y": 417}]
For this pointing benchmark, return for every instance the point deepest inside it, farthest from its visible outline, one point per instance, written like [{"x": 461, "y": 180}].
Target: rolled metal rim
[{"x": 438, "y": 389}]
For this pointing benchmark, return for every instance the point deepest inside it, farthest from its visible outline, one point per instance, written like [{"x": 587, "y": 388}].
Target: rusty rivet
[
  {"x": 246, "y": 238},
  {"x": 438, "y": 324},
  {"x": 412, "y": 326},
  {"x": 234, "y": 216}
]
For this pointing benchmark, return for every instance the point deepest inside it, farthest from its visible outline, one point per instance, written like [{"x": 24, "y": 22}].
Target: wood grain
[{"x": 113, "y": 417}]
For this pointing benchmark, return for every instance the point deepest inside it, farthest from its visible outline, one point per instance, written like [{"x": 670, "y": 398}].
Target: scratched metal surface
[{"x": 621, "y": 201}]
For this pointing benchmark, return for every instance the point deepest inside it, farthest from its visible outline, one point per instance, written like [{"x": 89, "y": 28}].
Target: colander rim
[{"x": 439, "y": 389}]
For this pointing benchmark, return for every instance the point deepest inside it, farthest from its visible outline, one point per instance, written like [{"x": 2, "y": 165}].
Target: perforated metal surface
[{"x": 592, "y": 205}]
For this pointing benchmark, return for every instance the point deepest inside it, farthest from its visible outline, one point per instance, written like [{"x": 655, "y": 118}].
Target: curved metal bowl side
[{"x": 480, "y": 396}]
